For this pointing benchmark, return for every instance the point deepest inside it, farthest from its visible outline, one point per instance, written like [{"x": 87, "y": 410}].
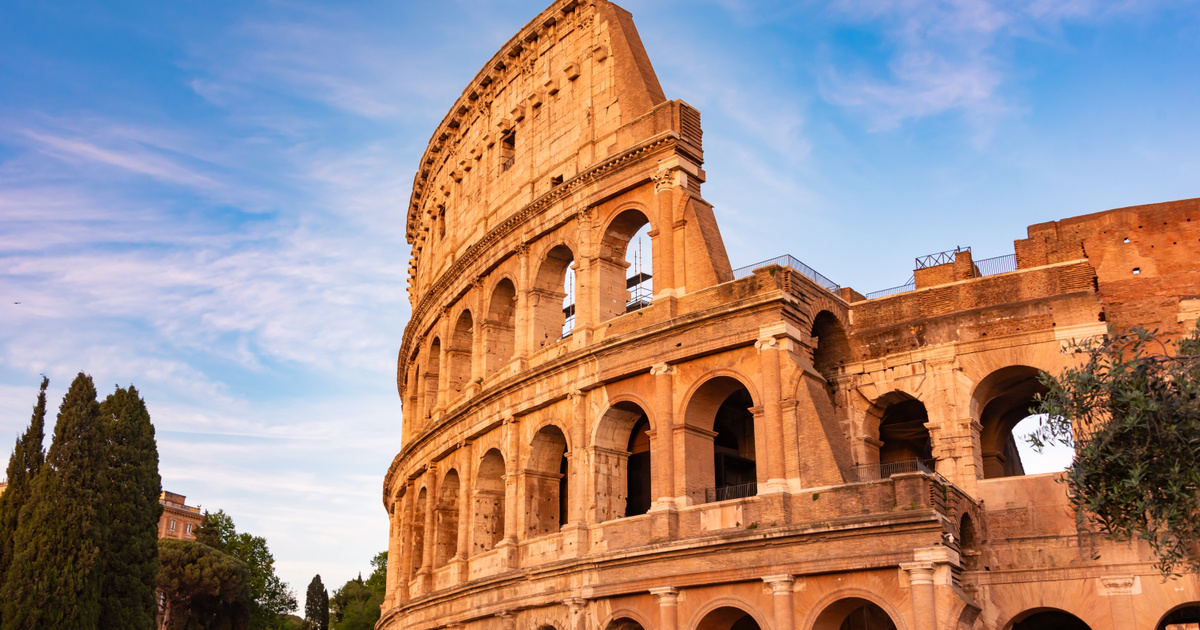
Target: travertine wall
[{"x": 816, "y": 459}]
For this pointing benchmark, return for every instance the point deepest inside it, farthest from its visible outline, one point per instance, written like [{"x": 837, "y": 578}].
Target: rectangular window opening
[{"x": 508, "y": 150}]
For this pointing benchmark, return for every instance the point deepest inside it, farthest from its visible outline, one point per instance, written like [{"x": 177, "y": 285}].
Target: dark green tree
[
  {"x": 53, "y": 580},
  {"x": 1132, "y": 410},
  {"x": 270, "y": 598},
  {"x": 355, "y": 606},
  {"x": 202, "y": 587},
  {"x": 24, "y": 465},
  {"x": 130, "y": 551},
  {"x": 316, "y": 605}
]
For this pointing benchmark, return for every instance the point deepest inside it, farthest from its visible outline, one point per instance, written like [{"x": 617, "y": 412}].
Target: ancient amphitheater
[{"x": 729, "y": 449}]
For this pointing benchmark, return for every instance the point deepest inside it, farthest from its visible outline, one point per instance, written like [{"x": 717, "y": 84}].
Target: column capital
[
  {"x": 576, "y": 393},
  {"x": 662, "y": 368},
  {"x": 779, "y": 583},
  {"x": 919, "y": 573},
  {"x": 767, "y": 343},
  {"x": 575, "y": 603},
  {"x": 667, "y": 595}
]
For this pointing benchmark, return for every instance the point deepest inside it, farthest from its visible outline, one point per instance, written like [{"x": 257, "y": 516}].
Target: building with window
[
  {"x": 598, "y": 436},
  {"x": 178, "y": 519}
]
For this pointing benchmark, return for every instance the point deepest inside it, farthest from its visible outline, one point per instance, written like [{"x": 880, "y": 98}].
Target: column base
[
  {"x": 461, "y": 569},
  {"x": 664, "y": 522},
  {"x": 575, "y": 540},
  {"x": 508, "y": 549},
  {"x": 423, "y": 582}
]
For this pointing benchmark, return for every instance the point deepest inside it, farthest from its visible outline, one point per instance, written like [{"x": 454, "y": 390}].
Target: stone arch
[
  {"x": 728, "y": 613},
  {"x": 458, "y": 353},
  {"x": 445, "y": 519},
  {"x": 720, "y": 439},
  {"x": 622, "y": 460},
  {"x": 612, "y": 266},
  {"x": 832, "y": 610},
  {"x": 626, "y": 619},
  {"x": 488, "y": 525},
  {"x": 895, "y": 432},
  {"x": 1046, "y": 619},
  {"x": 547, "y": 298},
  {"x": 429, "y": 392},
  {"x": 547, "y": 478},
  {"x": 500, "y": 325},
  {"x": 418, "y": 529},
  {"x": 968, "y": 542},
  {"x": 1000, "y": 401},
  {"x": 831, "y": 345},
  {"x": 1188, "y": 613}
]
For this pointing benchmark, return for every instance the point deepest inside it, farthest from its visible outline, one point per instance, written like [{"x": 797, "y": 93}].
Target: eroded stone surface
[{"x": 739, "y": 452}]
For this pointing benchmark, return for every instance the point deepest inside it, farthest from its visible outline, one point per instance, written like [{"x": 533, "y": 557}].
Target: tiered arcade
[{"x": 764, "y": 451}]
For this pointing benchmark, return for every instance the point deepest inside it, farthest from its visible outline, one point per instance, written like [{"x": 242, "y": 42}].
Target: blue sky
[{"x": 205, "y": 199}]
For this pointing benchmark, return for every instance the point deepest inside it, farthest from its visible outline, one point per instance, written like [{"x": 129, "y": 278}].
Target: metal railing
[
  {"x": 875, "y": 472},
  {"x": 904, "y": 288},
  {"x": 794, "y": 263},
  {"x": 940, "y": 258},
  {"x": 725, "y": 493},
  {"x": 997, "y": 265}
]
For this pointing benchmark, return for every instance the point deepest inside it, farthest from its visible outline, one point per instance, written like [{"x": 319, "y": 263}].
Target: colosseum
[{"x": 606, "y": 427}]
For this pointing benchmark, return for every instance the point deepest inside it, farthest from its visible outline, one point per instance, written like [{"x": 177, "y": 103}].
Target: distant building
[{"x": 178, "y": 520}]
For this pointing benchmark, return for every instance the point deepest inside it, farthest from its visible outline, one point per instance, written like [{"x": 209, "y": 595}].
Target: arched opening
[
  {"x": 832, "y": 345},
  {"x": 446, "y": 520},
  {"x": 625, "y": 265},
  {"x": 432, "y": 374},
  {"x": 721, "y": 405},
  {"x": 968, "y": 543},
  {"x": 1047, "y": 619},
  {"x": 854, "y": 613},
  {"x": 553, "y": 297},
  {"x": 459, "y": 354},
  {"x": 1185, "y": 617},
  {"x": 489, "y": 502},
  {"x": 637, "y": 487},
  {"x": 904, "y": 442},
  {"x": 418, "y": 531},
  {"x": 546, "y": 480},
  {"x": 1002, "y": 401},
  {"x": 500, "y": 326},
  {"x": 622, "y": 462},
  {"x": 624, "y": 623},
  {"x": 728, "y": 618}
]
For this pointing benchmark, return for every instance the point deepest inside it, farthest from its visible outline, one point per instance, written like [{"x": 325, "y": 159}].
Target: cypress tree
[
  {"x": 54, "y": 577},
  {"x": 316, "y": 605},
  {"x": 24, "y": 465},
  {"x": 130, "y": 550}
]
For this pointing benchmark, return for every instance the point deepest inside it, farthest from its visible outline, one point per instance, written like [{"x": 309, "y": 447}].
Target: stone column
[
  {"x": 921, "y": 590},
  {"x": 508, "y": 544},
  {"x": 1120, "y": 590},
  {"x": 466, "y": 511},
  {"x": 478, "y": 349},
  {"x": 781, "y": 597},
  {"x": 424, "y": 574},
  {"x": 404, "y": 570},
  {"x": 664, "y": 235},
  {"x": 768, "y": 361},
  {"x": 574, "y": 531},
  {"x": 443, "y": 387},
  {"x": 524, "y": 319},
  {"x": 664, "y": 488},
  {"x": 508, "y": 621},
  {"x": 578, "y": 607},
  {"x": 668, "y": 607}
]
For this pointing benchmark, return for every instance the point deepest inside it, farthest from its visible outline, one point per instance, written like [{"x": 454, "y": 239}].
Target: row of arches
[
  {"x": 519, "y": 317},
  {"x": 621, "y": 462}
]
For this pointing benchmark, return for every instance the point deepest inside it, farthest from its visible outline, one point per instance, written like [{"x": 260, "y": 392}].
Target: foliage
[
  {"x": 316, "y": 605},
  {"x": 24, "y": 465},
  {"x": 54, "y": 578},
  {"x": 203, "y": 588},
  {"x": 270, "y": 598},
  {"x": 1132, "y": 409},
  {"x": 355, "y": 606},
  {"x": 130, "y": 551}
]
